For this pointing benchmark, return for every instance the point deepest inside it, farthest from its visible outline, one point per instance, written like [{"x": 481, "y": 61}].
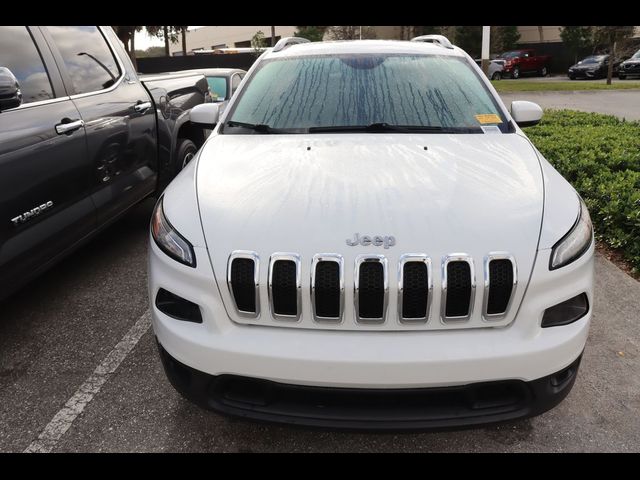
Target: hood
[{"x": 436, "y": 194}]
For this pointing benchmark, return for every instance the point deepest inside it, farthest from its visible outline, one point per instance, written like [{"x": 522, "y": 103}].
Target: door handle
[
  {"x": 142, "y": 106},
  {"x": 69, "y": 126}
]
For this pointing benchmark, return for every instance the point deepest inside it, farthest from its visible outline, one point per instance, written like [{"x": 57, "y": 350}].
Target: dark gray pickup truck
[{"x": 82, "y": 139}]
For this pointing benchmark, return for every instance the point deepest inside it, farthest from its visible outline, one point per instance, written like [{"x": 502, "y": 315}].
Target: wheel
[
  {"x": 515, "y": 73},
  {"x": 622, "y": 76},
  {"x": 572, "y": 77},
  {"x": 544, "y": 71},
  {"x": 184, "y": 153},
  {"x": 496, "y": 76}
]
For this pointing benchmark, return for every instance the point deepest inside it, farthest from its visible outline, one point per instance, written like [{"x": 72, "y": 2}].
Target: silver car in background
[{"x": 495, "y": 68}]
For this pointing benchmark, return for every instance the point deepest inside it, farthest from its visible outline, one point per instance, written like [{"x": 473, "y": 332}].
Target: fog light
[
  {"x": 566, "y": 312},
  {"x": 177, "y": 307}
]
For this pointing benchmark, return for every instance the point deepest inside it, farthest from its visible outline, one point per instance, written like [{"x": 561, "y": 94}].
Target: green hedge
[{"x": 600, "y": 156}]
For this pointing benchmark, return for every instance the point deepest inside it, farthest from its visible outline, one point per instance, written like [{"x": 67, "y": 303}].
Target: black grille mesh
[
  {"x": 242, "y": 284},
  {"x": 283, "y": 288},
  {"x": 371, "y": 290},
  {"x": 415, "y": 290},
  {"x": 500, "y": 285},
  {"x": 458, "y": 289},
  {"x": 327, "y": 290}
]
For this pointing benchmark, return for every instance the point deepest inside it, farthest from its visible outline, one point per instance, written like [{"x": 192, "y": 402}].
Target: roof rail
[
  {"x": 287, "y": 41},
  {"x": 439, "y": 39}
]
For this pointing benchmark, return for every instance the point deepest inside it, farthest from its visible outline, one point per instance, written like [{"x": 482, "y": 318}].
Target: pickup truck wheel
[
  {"x": 496, "y": 76},
  {"x": 544, "y": 71},
  {"x": 185, "y": 153},
  {"x": 515, "y": 73}
]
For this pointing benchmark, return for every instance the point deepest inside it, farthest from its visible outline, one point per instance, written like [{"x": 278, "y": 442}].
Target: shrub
[{"x": 600, "y": 156}]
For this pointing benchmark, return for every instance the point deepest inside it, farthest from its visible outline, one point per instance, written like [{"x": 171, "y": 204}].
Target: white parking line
[{"x": 62, "y": 420}]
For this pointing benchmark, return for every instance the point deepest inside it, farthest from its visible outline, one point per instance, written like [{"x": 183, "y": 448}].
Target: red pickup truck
[{"x": 517, "y": 62}]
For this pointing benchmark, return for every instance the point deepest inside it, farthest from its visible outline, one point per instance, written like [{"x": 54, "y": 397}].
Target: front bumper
[
  {"x": 372, "y": 359},
  {"x": 370, "y": 409},
  {"x": 633, "y": 70},
  {"x": 585, "y": 73}
]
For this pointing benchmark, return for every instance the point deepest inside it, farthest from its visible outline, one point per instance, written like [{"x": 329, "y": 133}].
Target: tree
[
  {"x": 313, "y": 34},
  {"x": 611, "y": 36},
  {"x": 273, "y": 36},
  {"x": 127, "y": 35},
  {"x": 577, "y": 38},
  {"x": 184, "y": 40},
  {"x": 150, "y": 52},
  {"x": 258, "y": 43},
  {"x": 166, "y": 33},
  {"x": 508, "y": 37},
  {"x": 469, "y": 39},
  {"x": 350, "y": 32}
]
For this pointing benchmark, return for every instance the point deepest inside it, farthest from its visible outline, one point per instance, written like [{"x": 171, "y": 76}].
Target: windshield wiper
[
  {"x": 386, "y": 127},
  {"x": 374, "y": 127},
  {"x": 260, "y": 127}
]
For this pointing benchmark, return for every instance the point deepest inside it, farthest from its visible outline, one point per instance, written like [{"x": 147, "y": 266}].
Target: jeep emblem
[{"x": 376, "y": 240}]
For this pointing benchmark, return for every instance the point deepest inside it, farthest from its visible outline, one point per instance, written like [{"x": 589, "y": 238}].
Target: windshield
[
  {"x": 636, "y": 55},
  {"x": 312, "y": 93},
  {"x": 593, "y": 59},
  {"x": 218, "y": 88},
  {"x": 515, "y": 54}
]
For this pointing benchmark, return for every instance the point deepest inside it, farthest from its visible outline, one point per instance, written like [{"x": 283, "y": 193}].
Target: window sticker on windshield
[{"x": 488, "y": 118}]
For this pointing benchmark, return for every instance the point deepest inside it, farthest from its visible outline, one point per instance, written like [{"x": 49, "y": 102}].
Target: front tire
[
  {"x": 516, "y": 73},
  {"x": 544, "y": 71},
  {"x": 496, "y": 76},
  {"x": 184, "y": 153},
  {"x": 621, "y": 76}
]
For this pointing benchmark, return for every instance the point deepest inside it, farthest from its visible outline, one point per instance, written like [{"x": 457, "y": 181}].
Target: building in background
[{"x": 208, "y": 38}]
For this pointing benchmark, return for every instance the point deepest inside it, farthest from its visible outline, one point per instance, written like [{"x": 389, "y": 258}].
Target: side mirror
[
  {"x": 526, "y": 114},
  {"x": 205, "y": 115},
  {"x": 10, "y": 94}
]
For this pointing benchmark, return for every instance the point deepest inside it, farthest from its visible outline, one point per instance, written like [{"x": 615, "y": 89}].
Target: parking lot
[
  {"x": 621, "y": 103},
  {"x": 61, "y": 327}
]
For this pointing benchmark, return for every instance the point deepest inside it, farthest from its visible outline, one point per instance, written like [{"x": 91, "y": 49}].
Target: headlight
[
  {"x": 575, "y": 242},
  {"x": 169, "y": 240}
]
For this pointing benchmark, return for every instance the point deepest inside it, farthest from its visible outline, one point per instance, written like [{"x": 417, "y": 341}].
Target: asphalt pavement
[
  {"x": 58, "y": 329},
  {"x": 622, "y": 103}
]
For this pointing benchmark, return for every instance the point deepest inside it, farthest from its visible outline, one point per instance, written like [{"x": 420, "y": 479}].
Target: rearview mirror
[
  {"x": 526, "y": 114},
  {"x": 205, "y": 115},
  {"x": 10, "y": 94}
]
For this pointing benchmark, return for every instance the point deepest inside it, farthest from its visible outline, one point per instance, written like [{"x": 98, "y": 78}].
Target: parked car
[
  {"x": 495, "y": 68},
  {"x": 223, "y": 82},
  {"x": 358, "y": 245},
  {"x": 630, "y": 66},
  {"x": 593, "y": 66},
  {"x": 517, "y": 62},
  {"x": 82, "y": 139}
]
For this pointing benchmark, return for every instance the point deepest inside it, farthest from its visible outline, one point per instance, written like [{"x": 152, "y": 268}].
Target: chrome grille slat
[
  {"x": 450, "y": 259},
  {"x": 280, "y": 302},
  {"x": 233, "y": 274},
  {"x": 369, "y": 291},
  {"x": 322, "y": 293},
  {"x": 487, "y": 304},
  {"x": 403, "y": 288}
]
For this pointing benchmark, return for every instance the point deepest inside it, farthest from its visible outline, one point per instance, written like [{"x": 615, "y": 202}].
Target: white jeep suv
[{"x": 368, "y": 240}]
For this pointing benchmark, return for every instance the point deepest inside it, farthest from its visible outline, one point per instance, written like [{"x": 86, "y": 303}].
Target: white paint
[{"x": 62, "y": 421}]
